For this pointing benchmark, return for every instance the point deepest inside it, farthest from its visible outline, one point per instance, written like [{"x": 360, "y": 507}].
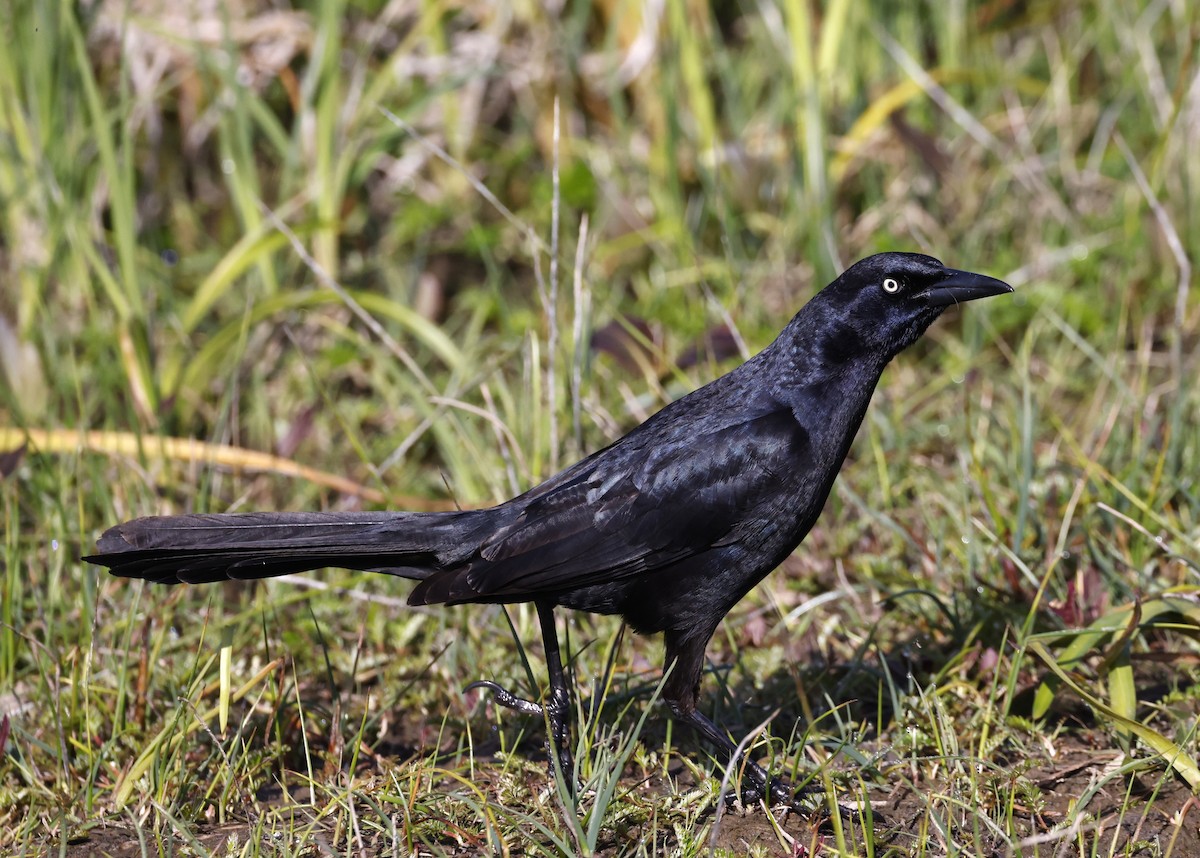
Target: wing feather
[{"x": 610, "y": 517}]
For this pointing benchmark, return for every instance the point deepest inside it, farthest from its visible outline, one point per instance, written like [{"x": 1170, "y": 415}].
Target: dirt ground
[{"x": 1153, "y": 819}]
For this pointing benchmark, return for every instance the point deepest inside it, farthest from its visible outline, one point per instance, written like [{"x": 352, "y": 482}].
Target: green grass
[{"x": 328, "y": 235}]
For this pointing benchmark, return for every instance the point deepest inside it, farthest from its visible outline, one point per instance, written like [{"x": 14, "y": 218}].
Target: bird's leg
[
  {"x": 557, "y": 710},
  {"x": 558, "y": 701},
  {"x": 685, "y": 657}
]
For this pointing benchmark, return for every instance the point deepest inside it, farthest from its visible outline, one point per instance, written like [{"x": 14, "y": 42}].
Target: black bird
[{"x": 669, "y": 527}]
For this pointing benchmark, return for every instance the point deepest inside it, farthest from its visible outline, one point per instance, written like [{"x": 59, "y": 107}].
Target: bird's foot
[
  {"x": 506, "y": 698},
  {"x": 556, "y": 742},
  {"x": 776, "y": 791},
  {"x": 806, "y": 800}
]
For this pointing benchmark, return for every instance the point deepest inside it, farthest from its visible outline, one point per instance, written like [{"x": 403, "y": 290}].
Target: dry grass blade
[
  {"x": 188, "y": 451},
  {"x": 1175, "y": 756}
]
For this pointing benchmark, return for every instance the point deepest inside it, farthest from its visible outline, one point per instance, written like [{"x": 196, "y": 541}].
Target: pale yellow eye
[{"x": 891, "y": 286}]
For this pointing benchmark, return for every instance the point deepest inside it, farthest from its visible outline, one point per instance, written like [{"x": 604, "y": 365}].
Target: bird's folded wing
[{"x": 614, "y": 516}]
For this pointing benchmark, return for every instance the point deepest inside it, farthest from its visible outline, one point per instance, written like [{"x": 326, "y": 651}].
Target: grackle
[{"x": 669, "y": 527}]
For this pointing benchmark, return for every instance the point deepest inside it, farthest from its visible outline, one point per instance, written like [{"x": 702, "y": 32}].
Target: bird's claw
[
  {"x": 506, "y": 698},
  {"x": 777, "y": 792},
  {"x": 555, "y": 744}
]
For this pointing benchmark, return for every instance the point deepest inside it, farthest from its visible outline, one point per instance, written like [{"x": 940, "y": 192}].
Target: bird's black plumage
[{"x": 669, "y": 526}]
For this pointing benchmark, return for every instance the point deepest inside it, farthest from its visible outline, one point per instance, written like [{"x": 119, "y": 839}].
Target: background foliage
[{"x": 423, "y": 254}]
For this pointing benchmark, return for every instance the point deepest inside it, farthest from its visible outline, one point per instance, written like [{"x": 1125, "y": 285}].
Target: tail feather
[{"x": 198, "y": 549}]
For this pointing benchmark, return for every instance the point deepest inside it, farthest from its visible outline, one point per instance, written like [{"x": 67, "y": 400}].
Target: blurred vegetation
[{"x": 421, "y": 254}]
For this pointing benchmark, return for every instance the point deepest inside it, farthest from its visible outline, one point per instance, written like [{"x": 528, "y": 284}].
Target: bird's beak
[{"x": 960, "y": 286}]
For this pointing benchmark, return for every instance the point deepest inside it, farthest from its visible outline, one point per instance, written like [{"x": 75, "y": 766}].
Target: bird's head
[{"x": 885, "y": 302}]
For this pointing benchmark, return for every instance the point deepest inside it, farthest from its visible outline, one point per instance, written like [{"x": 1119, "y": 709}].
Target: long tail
[{"x": 196, "y": 549}]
